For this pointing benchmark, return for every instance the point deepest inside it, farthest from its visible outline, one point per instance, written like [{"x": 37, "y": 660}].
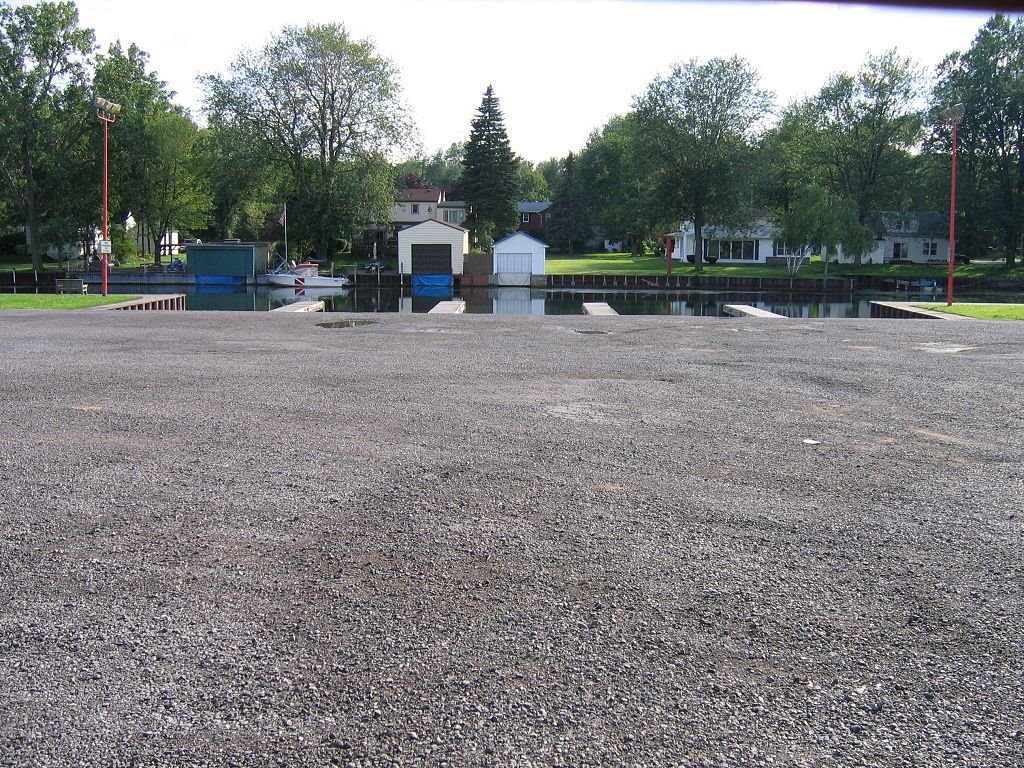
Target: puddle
[
  {"x": 594, "y": 333},
  {"x": 348, "y": 323}
]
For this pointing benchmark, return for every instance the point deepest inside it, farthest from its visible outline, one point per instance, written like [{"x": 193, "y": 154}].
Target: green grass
[
  {"x": 980, "y": 311},
  {"x": 628, "y": 264},
  {"x": 57, "y": 301}
]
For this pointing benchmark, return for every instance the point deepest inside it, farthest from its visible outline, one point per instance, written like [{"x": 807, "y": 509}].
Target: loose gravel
[{"x": 240, "y": 539}]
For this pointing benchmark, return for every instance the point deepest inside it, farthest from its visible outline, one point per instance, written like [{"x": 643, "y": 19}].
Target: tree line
[{"x": 314, "y": 120}]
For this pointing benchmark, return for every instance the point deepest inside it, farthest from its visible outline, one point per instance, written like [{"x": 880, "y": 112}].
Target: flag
[{"x": 284, "y": 216}]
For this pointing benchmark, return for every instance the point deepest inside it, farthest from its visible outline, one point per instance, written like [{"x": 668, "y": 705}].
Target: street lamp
[
  {"x": 106, "y": 111},
  {"x": 953, "y": 116}
]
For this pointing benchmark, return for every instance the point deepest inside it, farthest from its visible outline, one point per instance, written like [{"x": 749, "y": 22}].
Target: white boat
[{"x": 305, "y": 275}]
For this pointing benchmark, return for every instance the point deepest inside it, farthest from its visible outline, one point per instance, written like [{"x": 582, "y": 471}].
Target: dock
[
  {"x": 156, "y": 301},
  {"x": 745, "y": 310},
  {"x": 598, "y": 309},
  {"x": 302, "y": 306},
  {"x": 453, "y": 307}
]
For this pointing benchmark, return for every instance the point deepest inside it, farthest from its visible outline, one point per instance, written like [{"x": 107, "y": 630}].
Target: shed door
[
  {"x": 432, "y": 259},
  {"x": 514, "y": 262}
]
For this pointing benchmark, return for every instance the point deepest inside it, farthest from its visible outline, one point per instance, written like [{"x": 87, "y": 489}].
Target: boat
[{"x": 305, "y": 275}]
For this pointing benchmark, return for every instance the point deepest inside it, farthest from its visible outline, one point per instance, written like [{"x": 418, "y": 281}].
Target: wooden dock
[{"x": 156, "y": 301}]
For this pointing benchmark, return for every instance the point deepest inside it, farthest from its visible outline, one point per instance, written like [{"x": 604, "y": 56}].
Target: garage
[
  {"x": 432, "y": 248},
  {"x": 517, "y": 259}
]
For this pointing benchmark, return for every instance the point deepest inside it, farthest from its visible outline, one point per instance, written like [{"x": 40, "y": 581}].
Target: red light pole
[
  {"x": 954, "y": 115},
  {"x": 106, "y": 111}
]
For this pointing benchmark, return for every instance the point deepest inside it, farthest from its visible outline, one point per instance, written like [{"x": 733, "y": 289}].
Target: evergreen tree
[
  {"x": 489, "y": 178},
  {"x": 570, "y": 224}
]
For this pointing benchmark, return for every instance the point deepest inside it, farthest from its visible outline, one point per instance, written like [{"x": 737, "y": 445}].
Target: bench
[{"x": 71, "y": 285}]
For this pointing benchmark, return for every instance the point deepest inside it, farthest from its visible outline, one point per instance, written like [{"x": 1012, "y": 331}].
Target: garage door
[
  {"x": 513, "y": 262},
  {"x": 432, "y": 259}
]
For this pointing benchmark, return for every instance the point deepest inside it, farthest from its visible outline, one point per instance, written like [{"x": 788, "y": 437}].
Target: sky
[{"x": 560, "y": 68}]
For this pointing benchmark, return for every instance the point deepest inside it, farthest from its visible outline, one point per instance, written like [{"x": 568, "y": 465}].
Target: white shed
[
  {"x": 432, "y": 248},
  {"x": 517, "y": 257}
]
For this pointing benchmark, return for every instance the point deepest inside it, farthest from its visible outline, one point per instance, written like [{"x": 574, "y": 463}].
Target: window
[
  {"x": 739, "y": 250},
  {"x": 415, "y": 208},
  {"x": 931, "y": 248},
  {"x": 453, "y": 217},
  {"x": 526, "y": 218},
  {"x": 899, "y": 250},
  {"x": 781, "y": 249}
]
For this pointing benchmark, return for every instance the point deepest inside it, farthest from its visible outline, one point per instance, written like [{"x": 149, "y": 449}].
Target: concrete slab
[{"x": 455, "y": 307}]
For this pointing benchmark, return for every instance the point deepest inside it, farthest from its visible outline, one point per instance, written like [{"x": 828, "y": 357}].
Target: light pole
[
  {"x": 106, "y": 111},
  {"x": 953, "y": 115}
]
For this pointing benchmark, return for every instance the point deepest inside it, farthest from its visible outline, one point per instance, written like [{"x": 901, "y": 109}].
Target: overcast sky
[{"x": 560, "y": 68}]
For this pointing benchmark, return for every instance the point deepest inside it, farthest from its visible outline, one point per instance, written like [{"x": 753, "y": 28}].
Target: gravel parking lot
[{"x": 243, "y": 539}]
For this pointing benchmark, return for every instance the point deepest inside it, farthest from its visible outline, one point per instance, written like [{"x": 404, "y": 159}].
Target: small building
[
  {"x": 517, "y": 258},
  {"x": 227, "y": 263},
  {"x": 533, "y": 214},
  {"x": 432, "y": 248}
]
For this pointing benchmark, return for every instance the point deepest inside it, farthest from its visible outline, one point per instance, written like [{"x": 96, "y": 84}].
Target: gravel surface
[{"x": 242, "y": 539}]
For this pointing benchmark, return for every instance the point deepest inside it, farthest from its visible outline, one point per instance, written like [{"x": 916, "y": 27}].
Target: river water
[{"x": 526, "y": 301}]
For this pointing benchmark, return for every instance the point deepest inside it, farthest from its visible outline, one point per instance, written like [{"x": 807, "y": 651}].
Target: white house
[
  {"x": 432, "y": 248},
  {"x": 915, "y": 236},
  {"x": 920, "y": 237},
  {"x": 518, "y": 257},
  {"x": 754, "y": 243}
]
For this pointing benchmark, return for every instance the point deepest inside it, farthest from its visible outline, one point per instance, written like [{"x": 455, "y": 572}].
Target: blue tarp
[{"x": 432, "y": 281}]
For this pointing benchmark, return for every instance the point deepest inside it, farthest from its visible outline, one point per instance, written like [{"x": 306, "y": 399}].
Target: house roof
[
  {"x": 433, "y": 221},
  {"x": 452, "y": 204},
  {"x": 532, "y": 206},
  {"x": 421, "y": 195},
  {"x": 521, "y": 234},
  {"x": 929, "y": 223}
]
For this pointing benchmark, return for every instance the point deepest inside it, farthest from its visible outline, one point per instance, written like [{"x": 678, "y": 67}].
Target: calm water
[{"x": 524, "y": 301}]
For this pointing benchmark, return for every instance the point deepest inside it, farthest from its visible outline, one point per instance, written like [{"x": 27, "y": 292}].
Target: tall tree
[
  {"x": 570, "y": 222},
  {"x": 988, "y": 79},
  {"x": 489, "y": 181},
  {"x": 618, "y": 175},
  {"x": 323, "y": 110},
  {"x": 865, "y": 126},
  {"x": 698, "y": 122},
  {"x": 44, "y": 110}
]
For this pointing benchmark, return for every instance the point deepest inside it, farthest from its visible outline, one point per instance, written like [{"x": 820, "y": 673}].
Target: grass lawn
[
  {"x": 627, "y": 264},
  {"x": 980, "y": 311},
  {"x": 57, "y": 301}
]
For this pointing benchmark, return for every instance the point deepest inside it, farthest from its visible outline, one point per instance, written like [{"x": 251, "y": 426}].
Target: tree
[
  {"x": 530, "y": 183},
  {"x": 864, "y": 128},
  {"x": 807, "y": 226},
  {"x": 570, "y": 222},
  {"x": 323, "y": 111},
  {"x": 988, "y": 79},
  {"x": 616, "y": 173},
  {"x": 489, "y": 181},
  {"x": 697, "y": 123},
  {"x": 45, "y": 111}
]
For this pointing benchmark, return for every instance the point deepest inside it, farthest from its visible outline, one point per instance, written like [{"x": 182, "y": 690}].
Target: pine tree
[
  {"x": 489, "y": 173},
  {"x": 570, "y": 222}
]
